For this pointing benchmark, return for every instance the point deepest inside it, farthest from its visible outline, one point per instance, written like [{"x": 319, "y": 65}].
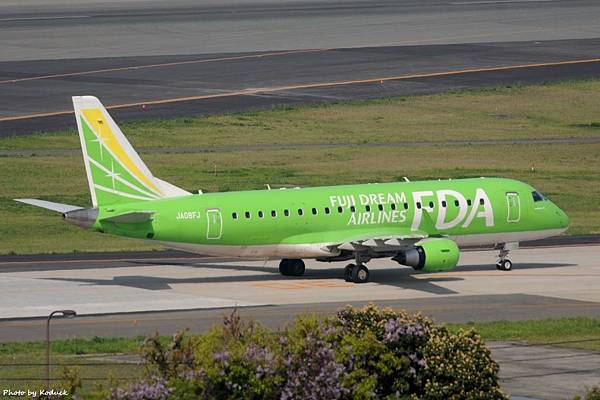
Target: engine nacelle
[{"x": 431, "y": 255}]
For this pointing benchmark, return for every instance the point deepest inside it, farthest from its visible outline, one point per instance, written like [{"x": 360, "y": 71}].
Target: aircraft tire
[
  {"x": 360, "y": 274},
  {"x": 291, "y": 267},
  {"x": 504, "y": 265},
  {"x": 298, "y": 268},
  {"x": 348, "y": 272}
]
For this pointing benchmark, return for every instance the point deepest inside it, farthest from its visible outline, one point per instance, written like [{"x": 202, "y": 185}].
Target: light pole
[{"x": 66, "y": 314}]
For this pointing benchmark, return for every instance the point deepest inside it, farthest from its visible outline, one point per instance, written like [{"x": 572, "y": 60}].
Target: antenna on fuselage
[{"x": 406, "y": 179}]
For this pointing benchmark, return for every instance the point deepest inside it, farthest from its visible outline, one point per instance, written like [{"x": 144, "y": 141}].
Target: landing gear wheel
[
  {"x": 360, "y": 274},
  {"x": 348, "y": 272},
  {"x": 292, "y": 267},
  {"x": 504, "y": 265}
]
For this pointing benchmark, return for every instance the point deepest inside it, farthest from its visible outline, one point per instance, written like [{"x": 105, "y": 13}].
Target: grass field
[
  {"x": 573, "y": 332},
  {"x": 354, "y": 142},
  {"x": 98, "y": 359}
]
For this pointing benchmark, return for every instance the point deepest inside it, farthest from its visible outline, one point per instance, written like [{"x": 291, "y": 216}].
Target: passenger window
[
  {"x": 340, "y": 210},
  {"x": 481, "y": 201},
  {"x": 469, "y": 202},
  {"x": 314, "y": 211},
  {"x": 327, "y": 211},
  {"x": 367, "y": 208},
  {"x": 418, "y": 205},
  {"x": 352, "y": 209},
  {"x": 273, "y": 213},
  {"x": 406, "y": 206},
  {"x": 234, "y": 215},
  {"x": 393, "y": 206},
  {"x": 247, "y": 214},
  {"x": 431, "y": 204},
  {"x": 286, "y": 213},
  {"x": 444, "y": 203},
  {"x": 380, "y": 207},
  {"x": 300, "y": 212},
  {"x": 456, "y": 203},
  {"x": 260, "y": 214}
]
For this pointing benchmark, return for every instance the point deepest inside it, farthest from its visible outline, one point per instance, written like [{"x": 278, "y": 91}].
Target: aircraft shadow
[
  {"x": 516, "y": 266},
  {"x": 387, "y": 278},
  {"x": 400, "y": 277}
]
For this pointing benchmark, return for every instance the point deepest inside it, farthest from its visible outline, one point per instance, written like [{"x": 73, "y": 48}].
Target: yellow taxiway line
[{"x": 254, "y": 91}]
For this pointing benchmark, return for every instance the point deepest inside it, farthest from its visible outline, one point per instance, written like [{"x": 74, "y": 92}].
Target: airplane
[{"x": 420, "y": 224}]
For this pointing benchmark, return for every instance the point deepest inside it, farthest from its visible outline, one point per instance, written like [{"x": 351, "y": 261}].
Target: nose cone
[{"x": 562, "y": 218}]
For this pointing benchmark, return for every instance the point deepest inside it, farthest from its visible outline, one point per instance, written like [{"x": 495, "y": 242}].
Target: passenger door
[
  {"x": 514, "y": 207},
  {"x": 214, "y": 228}
]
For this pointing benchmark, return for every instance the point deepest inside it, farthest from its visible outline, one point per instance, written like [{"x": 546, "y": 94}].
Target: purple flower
[
  {"x": 313, "y": 373},
  {"x": 395, "y": 330},
  {"x": 142, "y": 390},
  {"x": 222, "y": 357}
]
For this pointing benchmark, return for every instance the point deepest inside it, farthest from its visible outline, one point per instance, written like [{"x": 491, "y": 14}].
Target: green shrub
[
  {"x": 591, "y": 393},
  {"x": 460, "y": 367},
  {"x": 358, "y": 354}
]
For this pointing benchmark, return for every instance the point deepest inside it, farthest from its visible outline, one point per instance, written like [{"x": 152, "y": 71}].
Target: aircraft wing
[{"x": 380, "y": 241}]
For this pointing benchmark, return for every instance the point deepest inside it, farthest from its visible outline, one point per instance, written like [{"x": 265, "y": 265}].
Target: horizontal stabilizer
[
  {"x": 134, "y": 217},
  {"x": 49, "y": 205}
]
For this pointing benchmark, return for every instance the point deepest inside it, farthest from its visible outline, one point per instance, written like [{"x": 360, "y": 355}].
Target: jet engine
[{"x": 430, "y": 255}]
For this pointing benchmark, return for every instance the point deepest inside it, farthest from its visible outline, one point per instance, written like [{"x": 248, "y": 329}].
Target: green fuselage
[{"x": 301, "y": 221}]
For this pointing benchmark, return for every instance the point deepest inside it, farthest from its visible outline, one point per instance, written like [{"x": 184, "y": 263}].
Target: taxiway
[{"x": 133, "y": 297}]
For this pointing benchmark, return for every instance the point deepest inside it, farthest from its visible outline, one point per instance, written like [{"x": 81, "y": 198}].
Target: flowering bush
[
  {"x": 358, "y": 354},
  {"x": 459, "y": 367},
  {"x": 143, "y": 390}
]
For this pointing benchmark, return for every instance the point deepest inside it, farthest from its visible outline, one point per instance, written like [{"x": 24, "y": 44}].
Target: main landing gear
[
  {"x": 357, "y": 273},
  {"x": 503, "y": 264},
  {"x": 291, "y": 267}
]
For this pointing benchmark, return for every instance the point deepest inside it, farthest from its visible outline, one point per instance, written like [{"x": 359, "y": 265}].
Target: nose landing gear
[{"x": 503, "y": 263}]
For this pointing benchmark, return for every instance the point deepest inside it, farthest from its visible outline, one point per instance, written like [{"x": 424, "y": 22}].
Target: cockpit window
[{"x": 537, "y": 196}]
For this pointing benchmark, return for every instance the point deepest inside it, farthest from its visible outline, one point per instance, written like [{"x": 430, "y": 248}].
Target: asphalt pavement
[
  {"x": 36, "y": 96},
  {"x": 75, "y": 29}
]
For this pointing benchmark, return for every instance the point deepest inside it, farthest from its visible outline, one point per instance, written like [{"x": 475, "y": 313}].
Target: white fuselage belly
[{"x": 317, "y": 250}]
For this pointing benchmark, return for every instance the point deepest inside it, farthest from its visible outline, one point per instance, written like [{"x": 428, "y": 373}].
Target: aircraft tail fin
[{"x": 116, "y": 174}]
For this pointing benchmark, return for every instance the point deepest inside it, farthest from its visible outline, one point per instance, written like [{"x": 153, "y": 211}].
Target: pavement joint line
[
  {"x": 247, "y": 92},
  {"x": 508, "y": 344},
  {"x": 159, "y": 65},
  {"x": 103, "y": 260},
  {"x": 590, "y": 353},
  {"x": 114, "y": 317},
  {"x": 563, "y": 372}
]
